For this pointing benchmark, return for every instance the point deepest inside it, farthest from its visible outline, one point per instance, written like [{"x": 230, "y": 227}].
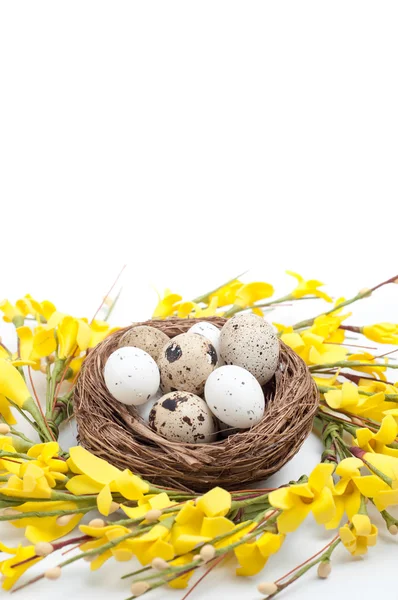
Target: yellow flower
[
  {"x": 312, "y": 349},
  {"x": 46, "y": 529},
  {"x": 12, "y": 384},
  {"x": 383, "y": 333},
  {"x": 94, "y": 474},
  {"x": 327, "y": 326},
  {"x": 252, "y": 556},
  {"x": 186, "y": 308},
  {"x": 208, "y": 311},
  {"x": 345, "y": 398},
  {"x": 181, "y": 582},
  {"x": 8, "y": 466},
  {"x": 297, "y": 501},
  {"x": 31, "y": 483},
  {"x": 250, "y": 293},
  {"x": 384, "y": 492},
  {"x": 34, "y": 345},
  {"x": 166, "y": 305},
  {"x": 99, "y": 331},
  {"x": 12, "y": 314},
  {"x": 366, "y": 357},
  {"x": 347, "y": 496},
  {"x": 12, "y": 573},
  {"x": 103, "y": 535},
  {"x": 5, "y": 411},
  {"x": 67, "y": 331},
  {"x": 379, "y": 441},
  {"x": 46, "y": 456},
  {"x": 24, "y": 307},
  {"x": 308, "y": 288},
  {"x": 200, "y": 523},
  {"x": 226, "y": 294},
  {"x": 360, "y": 536}
]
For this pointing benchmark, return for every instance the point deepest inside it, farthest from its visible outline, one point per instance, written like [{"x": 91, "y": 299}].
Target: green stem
[
  {"x": 31, "y": 407},
  {"x": 359, "y": 296},
  {"x": 52, "y": 513},
  {"x": 350, "y": 364},
  {"x": 325, "y": 557}
]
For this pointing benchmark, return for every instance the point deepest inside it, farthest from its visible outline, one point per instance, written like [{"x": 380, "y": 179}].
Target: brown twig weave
[{"x": 115, "y": 432}]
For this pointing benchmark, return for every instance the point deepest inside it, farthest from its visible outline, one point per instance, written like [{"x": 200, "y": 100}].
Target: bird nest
[{"x": 117, "y": 433}]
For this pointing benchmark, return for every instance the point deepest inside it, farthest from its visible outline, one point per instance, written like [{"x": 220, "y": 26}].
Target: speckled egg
[
  {"x": 248, "y": 341},
  {"x": 149, "y": 339},
  {"x": 235, "y": 397},
  {"x": 183, "y": 417},
  {"x": 131, "y": 375},
  {"x": 186, "y": 362}
]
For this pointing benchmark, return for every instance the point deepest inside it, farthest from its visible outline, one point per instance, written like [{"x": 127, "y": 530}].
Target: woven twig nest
[{"x": 116, "y": 432}]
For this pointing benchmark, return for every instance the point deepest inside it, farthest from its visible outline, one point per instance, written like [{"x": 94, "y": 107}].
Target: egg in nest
[
  {"x": 147, "y": 338},
  {"x": 248, "y": 341},
  {"x": 183, "y": 417},
  {"x": 186, "y": 362}
]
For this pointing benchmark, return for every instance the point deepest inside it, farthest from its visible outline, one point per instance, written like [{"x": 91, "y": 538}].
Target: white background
[{"x": 192, "y": 141}]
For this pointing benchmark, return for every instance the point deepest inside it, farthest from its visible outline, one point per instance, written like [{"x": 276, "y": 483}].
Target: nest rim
[{"x": 116, "y": 432}]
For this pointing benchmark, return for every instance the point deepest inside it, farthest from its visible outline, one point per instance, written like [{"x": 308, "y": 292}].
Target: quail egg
[
  {"x": 235, "y": 397},
  {"x": 145, "y": 337},
  {"x": 250, "y": 342},
  {"x": 186, "y": 362},
  {"x": 131, "y": 375},
  {"x": 183, "y": 417}
]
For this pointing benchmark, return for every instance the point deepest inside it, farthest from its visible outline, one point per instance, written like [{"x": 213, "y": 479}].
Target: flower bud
[
  {"x": 4, "y": 429},
  {"x": 113, "y": 507},
  {"x": 159, "y": 564},
  {"x": 324, "y": 570},
  {"x": 54, "y": 573},
  {"x": 90, "y": 557},
  {"x": 197, "y": 557},
  {"x": 43, "y": 548},
  {"x": 97, "y": 523},
  {"x": 139, "y": 587},
  {"x": 267, "y": 588},
  {"x": 153, "y": 515},
  {"x": 207, "y": 553},
  {"x": 43, "y": 369},
  {"x": 10, "y": 512},
  {"x": 393, "y": 529},
  {"x": 63, "y": 520}
]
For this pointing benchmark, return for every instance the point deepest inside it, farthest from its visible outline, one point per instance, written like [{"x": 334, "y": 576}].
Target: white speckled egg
[
  {"x": 186, "y": 362},
  {"x": 145, "y": 337},
  {"x": 183, "y": 417},
  {"x": 144, "y": 409},
  {"x": 235, "y": 397},
  {"x": 248, "y": 341},
  {"x": 131, "y": 375}
]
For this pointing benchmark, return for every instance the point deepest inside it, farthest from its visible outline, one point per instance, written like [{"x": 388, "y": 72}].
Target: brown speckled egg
[
  {"x": 145, "y": 337},
  {"x": 186, "y": 362},
  {"x": 183, "y": 417},
  {"x": 248, "y": 341}
]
